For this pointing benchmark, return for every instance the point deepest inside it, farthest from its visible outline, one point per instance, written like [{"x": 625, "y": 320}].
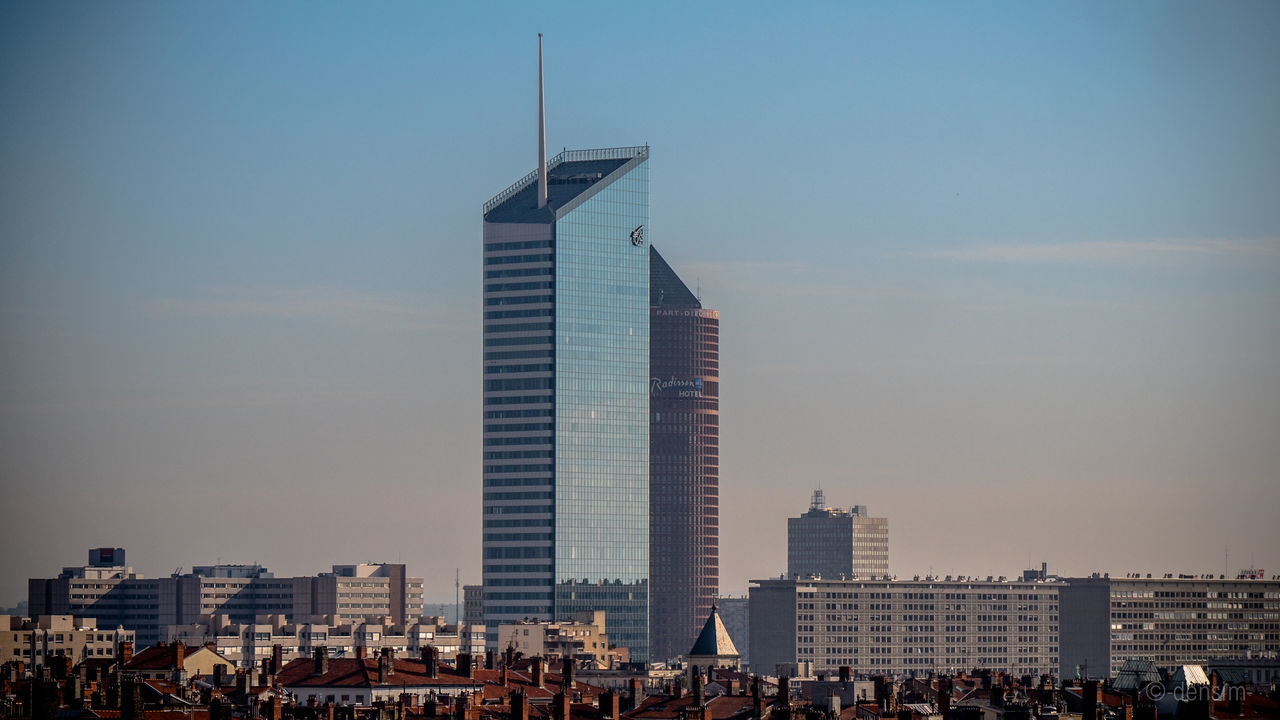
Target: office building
[
  {"x": 735, "y": 612},
  {"x": 565, "y": 393},
  {"x": 107, "y": 590},
  {"x": 835, "y": 543},
  {"x": 1171, "y": 620},
  {"x": 905, "y": 627},
  {"x": 114, "y": 595},
  {"x": 473, "y": 604},
  {"x": 684, "y": 460}
]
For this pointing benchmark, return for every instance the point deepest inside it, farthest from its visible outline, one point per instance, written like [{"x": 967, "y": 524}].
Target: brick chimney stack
[
  {"x": 539, "y": 670},
  {"x": 126, "y": 651},
  {"x": 519, "y": 706},
  {"x": 320, "y": 658},
  {"x": 1089, "y": 699},
  {"x": 635, "y": 693},
  {"x": 569, "y": 673},
  {"x": 179, "y": 654},
  {"x": 277, "y": 658},
  {"x": 560, "y": 706},
  {"x": 463, "y": 665},
  {"x": 609, "y": 705},
  {"x": 386, "y": 665},
  {"x": 431, "y": 661}
]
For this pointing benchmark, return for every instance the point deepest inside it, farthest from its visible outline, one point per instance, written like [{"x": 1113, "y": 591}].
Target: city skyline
[{"x": 1007, "y": 261}]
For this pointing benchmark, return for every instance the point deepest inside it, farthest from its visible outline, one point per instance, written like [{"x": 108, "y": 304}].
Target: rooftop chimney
[
  {"x": 699, "y": 692},
  {"x": 609, "y": 705},
  {"x": 560, "y": 706},
  {"x": 462, "y": 664},
  {"x": 277, "y": 658},
  {"x": 321, "y": 659},
  {"x": 431, "y": 661},
  {"x": 538, "y": 671},
  {"x": 635, "y": 693},
  {"x": 126, "y": 651},
  {"x": 569, "y": 673},
  {"x": 179, "y": 654},
  {"x": 519, "y": 706},
  {"x": 386, "y": 665},
  {"x": 1089, "y": 698},
  {"x": 488, "y": 659}
]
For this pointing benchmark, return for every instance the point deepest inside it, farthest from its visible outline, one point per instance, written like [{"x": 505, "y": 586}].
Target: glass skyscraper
[{"x": 566, "y": 394}]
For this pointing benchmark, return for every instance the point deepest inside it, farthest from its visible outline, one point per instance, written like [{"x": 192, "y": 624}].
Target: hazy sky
[{"x": 1008, "y": 273}]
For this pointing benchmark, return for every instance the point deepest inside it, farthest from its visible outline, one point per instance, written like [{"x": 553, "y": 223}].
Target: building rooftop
[
  {"x": 1135, "y": 675},
  {"x": 363, "y": 672},
  {"x": 666, "y": 289},
  {"x": 571, "y": 174},
  {"x": 714, "y": 639}
]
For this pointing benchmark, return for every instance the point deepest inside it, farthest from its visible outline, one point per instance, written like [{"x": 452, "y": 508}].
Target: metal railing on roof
[{"x": 618, "y": 153}]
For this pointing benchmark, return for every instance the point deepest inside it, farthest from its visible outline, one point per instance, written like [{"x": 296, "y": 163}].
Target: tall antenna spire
[{"x": 542, "y": 135}]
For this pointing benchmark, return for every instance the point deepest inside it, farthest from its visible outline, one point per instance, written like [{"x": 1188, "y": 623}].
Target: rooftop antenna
[
  {"x": 819, "y": 500},
  {"x": 542, "y": 136},
  {"x": 457, "y": 590}
]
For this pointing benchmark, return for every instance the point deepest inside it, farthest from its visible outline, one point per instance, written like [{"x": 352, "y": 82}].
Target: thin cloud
[{"x": 1107, "y": 252}]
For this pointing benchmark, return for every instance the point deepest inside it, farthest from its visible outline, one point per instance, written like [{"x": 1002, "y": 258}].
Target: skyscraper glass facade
[{"x": 566, "y": 374}]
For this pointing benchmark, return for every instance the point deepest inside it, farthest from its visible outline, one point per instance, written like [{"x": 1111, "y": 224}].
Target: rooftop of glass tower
[{"x": 571, "y": 175}]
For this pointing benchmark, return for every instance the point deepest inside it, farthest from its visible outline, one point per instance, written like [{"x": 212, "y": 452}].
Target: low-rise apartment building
[
  {"x": 34, "y": 641},
  {"x": 248, "y": 644},
  {"x": 585, "y": 638}
]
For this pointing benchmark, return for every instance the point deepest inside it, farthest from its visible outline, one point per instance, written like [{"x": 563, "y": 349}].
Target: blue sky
[{"x": 977, "y": 260}]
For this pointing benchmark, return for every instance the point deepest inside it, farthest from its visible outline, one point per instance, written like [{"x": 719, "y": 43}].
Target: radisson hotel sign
[{"x": 676, "y": 387}]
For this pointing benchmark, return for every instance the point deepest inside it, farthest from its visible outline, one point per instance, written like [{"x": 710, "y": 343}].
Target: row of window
[{"x": 518, "y": 272}]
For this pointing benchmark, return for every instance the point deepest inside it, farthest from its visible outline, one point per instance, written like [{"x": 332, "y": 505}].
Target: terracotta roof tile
[{"x": 357, "y": 672}]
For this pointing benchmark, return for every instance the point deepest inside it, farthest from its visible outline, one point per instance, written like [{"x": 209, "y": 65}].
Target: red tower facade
[{"x": 684, "y": 461}]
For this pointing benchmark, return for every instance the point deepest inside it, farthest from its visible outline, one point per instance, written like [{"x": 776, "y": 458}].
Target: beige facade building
[
  {"x": 905, "y": 627},
  {"x": 584, "y": 638},
  {"x": 35, "y": 641},
  {"x": 173, "y": 661},
  {"x": 248, "y": 644}
]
